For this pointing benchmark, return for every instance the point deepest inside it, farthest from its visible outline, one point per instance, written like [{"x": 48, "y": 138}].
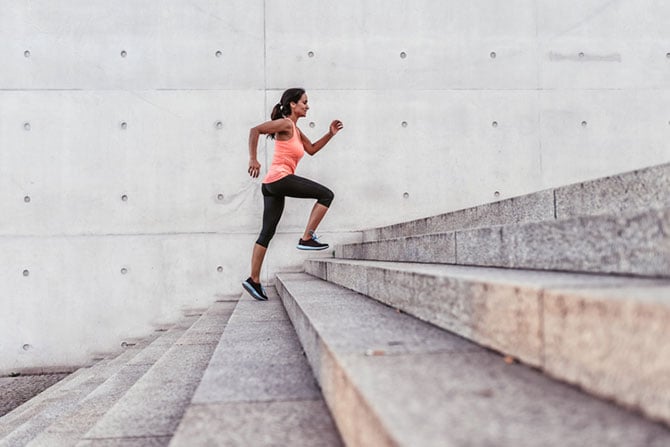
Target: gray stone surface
[
  {"x": 68, "y": 430},
  {"x": 258, "y": 388},
  {"x": 154, "y": 405},
  {"x": 625, "y": 244},
  {"x": 288, "y": 423},
  {"x": 14, "y": 391},
  {"x": 469, "y": 397},
  {"x": 615, "y": 342},
  {"x": 437, "y": 248},
  {"x": 147, "y": 441},
  {"x": 629, "y": 192},
  {"x": 259, "y": 358},
  {"x": 635, "y": 244},
  {"x": 512, "y": 311},
  {"x": 534, "y": 207}
]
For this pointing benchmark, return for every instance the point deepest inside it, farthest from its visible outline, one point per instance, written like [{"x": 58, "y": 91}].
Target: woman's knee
[{"x": 326, "y": 197}]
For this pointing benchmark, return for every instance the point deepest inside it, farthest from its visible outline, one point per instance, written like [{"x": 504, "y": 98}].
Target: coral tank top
[{"x": 286, "y": 157}]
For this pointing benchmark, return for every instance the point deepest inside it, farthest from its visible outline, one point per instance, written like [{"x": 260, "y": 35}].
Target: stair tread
[
  {"x": 604, "y": 333},
  {"x": 258, "y": 388},
  {"x": 153, "y": 406},
  {"x": 458, "y": 393},
  {"x": 60, "y": 402}
]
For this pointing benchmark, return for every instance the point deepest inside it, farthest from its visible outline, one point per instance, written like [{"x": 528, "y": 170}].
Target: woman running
[{"x": 281, "y": 181}]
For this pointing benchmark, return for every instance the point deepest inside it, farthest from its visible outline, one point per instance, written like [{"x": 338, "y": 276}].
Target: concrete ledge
[
  {"x": 605, "y": 334},
  {"x": 390, "y": 379},
  {"x": 628, "y": 192}
]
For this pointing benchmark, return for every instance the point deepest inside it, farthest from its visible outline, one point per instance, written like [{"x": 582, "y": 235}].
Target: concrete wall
[{"x": 123, "y": 129}]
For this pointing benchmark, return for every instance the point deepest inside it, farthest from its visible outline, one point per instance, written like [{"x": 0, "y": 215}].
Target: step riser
[
  {"x": 633, "y": 245},
  {"x": 541, "y": 326},
  {"x": 628, "y": 192}
]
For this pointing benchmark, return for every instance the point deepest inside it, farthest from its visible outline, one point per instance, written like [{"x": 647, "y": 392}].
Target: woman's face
[{"x": 301, "y": 106}]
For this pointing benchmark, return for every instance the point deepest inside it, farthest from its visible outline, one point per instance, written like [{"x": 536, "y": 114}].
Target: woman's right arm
[{"x": 269, "y": 127}]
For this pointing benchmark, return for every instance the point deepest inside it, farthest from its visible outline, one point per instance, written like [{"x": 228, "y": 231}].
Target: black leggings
[{"x": 273, "y": 200}]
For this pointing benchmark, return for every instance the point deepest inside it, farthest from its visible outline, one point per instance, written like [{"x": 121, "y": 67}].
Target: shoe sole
[
  {"x": 253, "y": 292},
  {"x": 304, "y": 247}
]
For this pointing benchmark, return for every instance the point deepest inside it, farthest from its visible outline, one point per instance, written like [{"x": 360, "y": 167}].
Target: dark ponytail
[{"x": 283, "y": 107}]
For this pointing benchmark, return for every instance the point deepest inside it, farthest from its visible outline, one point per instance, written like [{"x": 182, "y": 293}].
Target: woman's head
[{"x": 283, "y": 108}]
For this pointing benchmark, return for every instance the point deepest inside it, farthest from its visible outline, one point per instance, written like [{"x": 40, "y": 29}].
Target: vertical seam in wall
[{"x": 538, "y": 78}]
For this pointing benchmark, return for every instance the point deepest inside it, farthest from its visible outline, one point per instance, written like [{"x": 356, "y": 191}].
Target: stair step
[
  {"x": 258, "y": 388},
  {"x": 391, "y": 379},
  {"x": 631, "y": 244},
  {"x": 68, "y": 430},
  {"x": 58, "y": 402},
  {"x": 629, "y": 192},
  {"x": 606, "y": 334},
  {"x": 15, "y": 391},
  {"x": 150, "y": 410}
]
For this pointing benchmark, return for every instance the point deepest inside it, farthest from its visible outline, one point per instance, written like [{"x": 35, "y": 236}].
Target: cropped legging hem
[{"x": 273, "y": 201}]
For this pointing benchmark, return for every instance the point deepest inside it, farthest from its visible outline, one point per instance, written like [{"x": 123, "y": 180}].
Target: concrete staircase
[
  {"x": 572, "y": 282},
  {"x": 539, "y": 320}
]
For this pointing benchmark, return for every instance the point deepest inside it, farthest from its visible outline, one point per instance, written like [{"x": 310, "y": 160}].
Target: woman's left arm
[{"x": 312, "y": 149}]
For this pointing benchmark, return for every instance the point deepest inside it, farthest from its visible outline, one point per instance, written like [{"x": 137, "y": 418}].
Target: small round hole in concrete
[
  {"x": 220, "y": 196},
  {"x": 124, "y": 271},
  {"x": 312, "y": 124},
  {"x": 667, "y": 55},
  {"x": 403, "y": 55},
  {"x": 219, "y": 269},
  {"x": 496, "y": 194},
  {"x": 26, "y": 199},
  {"x": 124, "y": 53},
  {"x": 124, "y": 198},
  {"x": 581, "y": 54},
  {"x": 219, "y": 125},
  {"x": 218, "y": 53},
  {"x": 493, "y": 55},
  {"x": 405, "y": 195},
  {"x": 584, "y": 124},
  {"x": 26, "y": 272},
  {"x": 404, "y": 124},
  {"x": 494, "y": 124},
  {"x": 310, "y": 53},
  {"x": 26, "y": 126},
  {"x": 27, "y": 347},
  {"x": 26, "y": 53},
  {"x": 124, "y": 125}
]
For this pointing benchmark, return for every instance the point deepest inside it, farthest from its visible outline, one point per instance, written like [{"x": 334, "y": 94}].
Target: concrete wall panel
[
  {"x": 177, "y": 153},
  {"x": 358, "y": 45},
  {"x": 593, "y": 133},
  {"x": 170, "y": 44}
]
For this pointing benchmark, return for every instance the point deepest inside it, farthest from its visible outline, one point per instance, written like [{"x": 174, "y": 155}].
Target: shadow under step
[
  {"x": 631, "y": 244},
  {"x": 608, "y": 335},
  {"x": 391, "y": 379},
  {"x": 258, "y": 389}
]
